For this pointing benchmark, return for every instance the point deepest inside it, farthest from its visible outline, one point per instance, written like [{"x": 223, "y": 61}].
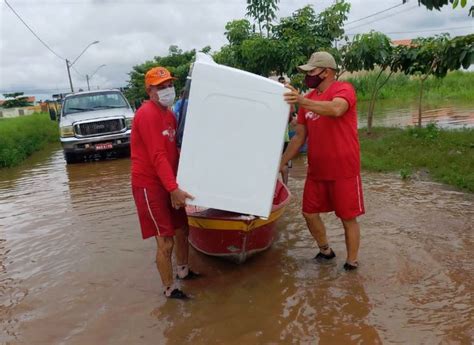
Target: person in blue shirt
[{"x": 177, "y": 106}]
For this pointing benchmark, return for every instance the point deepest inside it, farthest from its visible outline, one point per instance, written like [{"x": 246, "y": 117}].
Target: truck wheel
[
  {"x": 71, "y": 158},
  {"x": 125, "y": 152}
]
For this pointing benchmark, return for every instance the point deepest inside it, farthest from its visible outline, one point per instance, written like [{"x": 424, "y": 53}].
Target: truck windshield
[{"x": 94, "y": 101}]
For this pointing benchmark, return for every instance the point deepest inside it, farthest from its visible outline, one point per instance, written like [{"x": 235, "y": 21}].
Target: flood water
[
  {"x": 74, "y": 270},
  {"x": 403, "y": 113}
]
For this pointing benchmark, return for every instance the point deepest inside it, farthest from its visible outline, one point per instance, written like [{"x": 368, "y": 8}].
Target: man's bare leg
[
  {"x": 318, "y": 230},
  {"x": 163, "y": 259},
  {"x": 182, "y": 254},
  {"x": 182, "y": 245},
  {"x": 352, "y": 235},
  {"x": 284, "y": 174}
]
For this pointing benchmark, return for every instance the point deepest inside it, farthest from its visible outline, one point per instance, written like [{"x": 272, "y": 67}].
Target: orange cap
[{"x": 157, "y": 75}]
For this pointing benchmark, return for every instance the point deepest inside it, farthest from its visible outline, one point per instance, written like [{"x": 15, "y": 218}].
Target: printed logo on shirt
[
  {"x": 311, "y": 116},
  {"x": 170, "y": 133}
]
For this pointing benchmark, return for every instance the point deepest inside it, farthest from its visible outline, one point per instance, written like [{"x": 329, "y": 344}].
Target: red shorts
[
  {"x": 157, "y": 216},
  {"x": 343, "y": 196}
]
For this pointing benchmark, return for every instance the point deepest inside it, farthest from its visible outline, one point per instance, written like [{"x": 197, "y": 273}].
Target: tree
[
  {"x": 177, "y": 62},
  {"x": 261, "y": 55},
  {"x": 367, "y": 52},
  {"x": 438, "y": 4},
  {"x": 13, "y": 95},
  {"x": 304, "y": 32},
  {"x": 263, "y": 12},
  {"x": 330, "y": 23},
  {"x": 436, "y": 56},
  {"x": 238, "y": 31},
  {"x": 423, "y": 59},
  {"x": 17, "y": 100},
  {"x": 289, "y": 44}
]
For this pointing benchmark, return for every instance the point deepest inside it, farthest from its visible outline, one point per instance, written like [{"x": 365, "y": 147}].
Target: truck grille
[{"x": 99, "y": 127}]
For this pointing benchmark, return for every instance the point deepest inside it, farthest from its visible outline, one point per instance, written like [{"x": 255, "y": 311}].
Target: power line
[
  {"x": 376, "y": 13},
  {"x": 78, "y": 73},
  {"x": 44, "y": 43},
  {"x": 118, "y": 2},
  {"x": 376, "y": 20},
  {"x": 411, "y": 32}
]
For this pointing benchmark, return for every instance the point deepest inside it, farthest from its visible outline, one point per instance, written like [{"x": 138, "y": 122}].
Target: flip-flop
[
  {"x": 349, "y": 267},
  {"x": 191, "y": 275},
  {"x": 177, "y": 294},
  {"x": 322, "y": 256}
]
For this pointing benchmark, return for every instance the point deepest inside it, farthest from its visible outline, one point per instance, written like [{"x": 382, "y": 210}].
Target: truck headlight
[
  {"x": 66, "y": 131},
  {"x": 129, "y": 122}
]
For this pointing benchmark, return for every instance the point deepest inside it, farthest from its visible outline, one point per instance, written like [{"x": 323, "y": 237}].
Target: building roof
[{"x": 406, "y": 42}]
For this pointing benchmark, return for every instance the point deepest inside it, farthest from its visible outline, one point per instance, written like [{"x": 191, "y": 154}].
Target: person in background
[
  {"x": 286, "y": 169},
  {"x": 328, "y": 116},
  {"x": 178, "y": 105},
  {"x": 159, "y": 200}
]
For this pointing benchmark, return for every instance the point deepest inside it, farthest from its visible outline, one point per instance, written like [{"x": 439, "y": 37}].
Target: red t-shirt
[
  {"x": 333, "y": 142},
  {"x": 153, "y": 148}
]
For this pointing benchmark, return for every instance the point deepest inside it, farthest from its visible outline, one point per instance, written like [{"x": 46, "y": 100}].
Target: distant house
[{"x": 406, "y": 42}]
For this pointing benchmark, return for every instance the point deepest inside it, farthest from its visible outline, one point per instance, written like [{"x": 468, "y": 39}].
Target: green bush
[
  {"x": 21, "y": 136},
  {"x": 456, "y": 85},
  {"x": 448, "y": 155}
]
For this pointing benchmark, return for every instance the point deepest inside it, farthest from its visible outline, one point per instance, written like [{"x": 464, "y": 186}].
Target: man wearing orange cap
[
  {"x": 159, "y": 200},
  {"x": 327, "y": 116}
]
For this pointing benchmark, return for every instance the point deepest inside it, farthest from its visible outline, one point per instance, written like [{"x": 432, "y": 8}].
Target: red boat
[{"x": 232, "y": 235}]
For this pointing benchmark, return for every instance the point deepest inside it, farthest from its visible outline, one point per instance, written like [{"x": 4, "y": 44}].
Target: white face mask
[{"x": 166, "y": 96}]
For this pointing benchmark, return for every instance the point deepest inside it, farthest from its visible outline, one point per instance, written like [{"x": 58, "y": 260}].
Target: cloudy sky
[{"x": 133, "y": 31}]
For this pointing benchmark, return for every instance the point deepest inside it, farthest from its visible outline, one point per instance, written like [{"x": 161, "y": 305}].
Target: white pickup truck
[{"x": 94, "y": 122}]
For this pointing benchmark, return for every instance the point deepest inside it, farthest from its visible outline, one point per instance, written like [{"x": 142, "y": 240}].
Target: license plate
[{"x": 103, "y": 146}]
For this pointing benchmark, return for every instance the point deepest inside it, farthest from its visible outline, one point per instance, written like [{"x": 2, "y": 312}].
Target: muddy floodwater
[
  {"x": 401, "y": 113},
  {"x": 74, "y": 269}
]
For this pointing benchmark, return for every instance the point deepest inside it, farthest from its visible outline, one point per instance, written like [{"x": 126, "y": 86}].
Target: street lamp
[
  {"x": 70, "y": 64},
  {"x": 89, "y": 78}
]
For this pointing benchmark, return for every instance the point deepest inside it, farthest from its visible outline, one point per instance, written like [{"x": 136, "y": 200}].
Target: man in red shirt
[
  {"x": 327, "y": 117},
  {"x": 159, "y": 201}
]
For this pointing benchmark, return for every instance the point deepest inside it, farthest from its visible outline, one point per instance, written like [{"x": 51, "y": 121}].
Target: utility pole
[
  {"x": 69, "y": 74},
  {"x": 70, "y": 64},
  {"x": 89, "y": 77}
]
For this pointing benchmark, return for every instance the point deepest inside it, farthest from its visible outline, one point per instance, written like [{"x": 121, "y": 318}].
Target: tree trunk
[
  {"x": 370, "y": 114},
  {"x": 340, "y": 73},
  {"x": 422, "y": 83}
]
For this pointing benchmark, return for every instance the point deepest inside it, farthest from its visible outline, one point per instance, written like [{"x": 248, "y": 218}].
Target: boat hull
[
  {"x": 234, "y": 236},
  {"x": 234, "y": 245}
]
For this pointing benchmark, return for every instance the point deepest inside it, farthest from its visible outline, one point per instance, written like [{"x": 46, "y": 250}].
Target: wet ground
[{"x": 74, "y": 270}]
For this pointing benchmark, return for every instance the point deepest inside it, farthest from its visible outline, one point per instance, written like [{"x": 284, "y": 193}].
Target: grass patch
[
  {"x": 448, "y": 155},
  {"x": 21, "y": 136},
  {"x": 456, "y": 85}
]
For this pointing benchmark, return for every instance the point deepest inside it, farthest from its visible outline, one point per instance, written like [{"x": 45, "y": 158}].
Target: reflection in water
[
  {"x": 399, "y": 113},
  {"x": 74, "y": 270}
]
